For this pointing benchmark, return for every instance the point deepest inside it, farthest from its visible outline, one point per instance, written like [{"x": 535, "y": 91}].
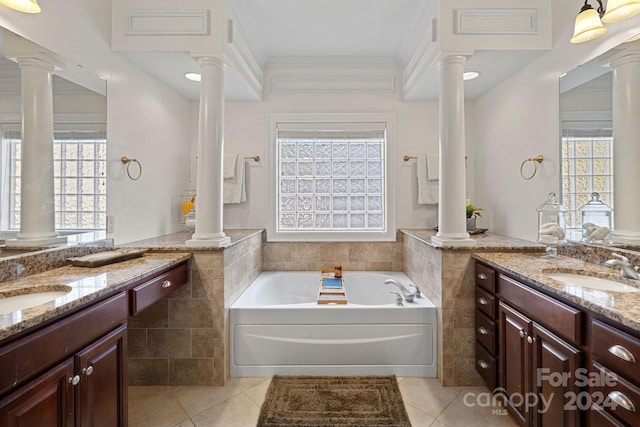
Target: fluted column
[
  {"x": 626, "y": 147},
  {"x": 209, "y": 174},
  {"x": 452, "y": 226},
  {"x": 37, "y": 208}
]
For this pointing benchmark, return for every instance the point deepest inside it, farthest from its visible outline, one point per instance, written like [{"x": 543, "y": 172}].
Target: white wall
[
  {"x": 246, "y": 132},
  {"x": 146, "y": 120},
  {"x": 520, "y": 119}
]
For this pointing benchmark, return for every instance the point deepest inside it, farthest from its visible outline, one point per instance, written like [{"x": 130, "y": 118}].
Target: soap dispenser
[
  {"x": 596, "y": 221},
  {"x": 552, "y": 217}
]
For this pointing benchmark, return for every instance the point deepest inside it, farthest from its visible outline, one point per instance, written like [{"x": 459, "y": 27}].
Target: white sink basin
[
  {"x": 24, "y": 301},
  {"x": 591, "y": 282}
]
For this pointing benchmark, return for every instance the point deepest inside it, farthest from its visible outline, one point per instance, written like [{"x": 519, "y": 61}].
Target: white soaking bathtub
[{"x": 277, "y": 328}]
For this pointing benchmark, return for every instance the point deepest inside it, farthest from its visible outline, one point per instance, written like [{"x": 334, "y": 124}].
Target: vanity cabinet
[
  {"x": 485, "y": 325},
  {"x": 71, "y": 372},
  {"x": 615, "y": 356}
]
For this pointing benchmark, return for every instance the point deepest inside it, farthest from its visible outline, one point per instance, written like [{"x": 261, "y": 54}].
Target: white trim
[
  {"x": 389, "y": 234},
  {"x": 153, "y": 22},
  {"x": 485, "y": 21},
  {"x": 334, "y": 84}
]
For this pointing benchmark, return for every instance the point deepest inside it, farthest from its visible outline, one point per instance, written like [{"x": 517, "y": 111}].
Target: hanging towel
[
  {"x": 234, "y": 189},
  {"x": 230, "y": 160},
  {"x": 433, "y": 166},
  {"x": 427, "y": 188}
]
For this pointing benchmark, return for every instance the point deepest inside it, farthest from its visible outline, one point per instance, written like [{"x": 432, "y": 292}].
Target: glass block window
[
  {"x": 80, "y": 194},
  {"x": 587, "y": 166},
  {"x": 331, "y": 177}
]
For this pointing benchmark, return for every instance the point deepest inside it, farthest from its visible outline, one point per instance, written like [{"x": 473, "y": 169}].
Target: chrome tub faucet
[{"x": 408, "y": 294}]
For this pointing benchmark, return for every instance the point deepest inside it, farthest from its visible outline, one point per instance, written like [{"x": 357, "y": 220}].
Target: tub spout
[{"x": 408, "y": 295}]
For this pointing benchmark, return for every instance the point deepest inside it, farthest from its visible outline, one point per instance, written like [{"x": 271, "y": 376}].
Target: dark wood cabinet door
[
  {"x": 101, "y": 394},
  {"x": 556, "y": 380},
  {"x": 515, "y": 360},
  {"x": 47, "y": 401}
]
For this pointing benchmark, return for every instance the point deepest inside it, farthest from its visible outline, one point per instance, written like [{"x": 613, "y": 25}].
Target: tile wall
[
  {"x": 447, "y": 278},
  {"x": 184, "y": 339}
]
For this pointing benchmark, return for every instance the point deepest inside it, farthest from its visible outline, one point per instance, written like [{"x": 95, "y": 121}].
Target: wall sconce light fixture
[
  {"x": 28, "y": 6},
  {"x": 589, "y": 21}
]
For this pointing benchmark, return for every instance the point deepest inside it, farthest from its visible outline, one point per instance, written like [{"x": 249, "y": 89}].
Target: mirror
[
  {"x": 586, "y": 138},
  {"x": 80, "y": 108}
]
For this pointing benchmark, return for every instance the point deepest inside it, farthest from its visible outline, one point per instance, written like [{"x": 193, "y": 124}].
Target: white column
[
  {"x": 452, "y": 225},
  {"x": 37, "y": 209},
  {"x": 626, "y": 147},
  {"x": 209, "y": 174}
]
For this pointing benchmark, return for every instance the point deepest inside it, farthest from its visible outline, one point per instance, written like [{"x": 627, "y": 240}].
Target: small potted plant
[{"x": 472, "y": 213}]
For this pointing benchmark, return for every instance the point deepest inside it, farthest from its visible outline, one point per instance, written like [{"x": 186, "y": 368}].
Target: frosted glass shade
[
  {"x": 588, "y": 26},
  {"x": 28, "y": 6},
  {"x": 617, "y": 10}
]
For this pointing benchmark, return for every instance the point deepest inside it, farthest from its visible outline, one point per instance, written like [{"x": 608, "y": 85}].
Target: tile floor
[{"x": 237, "y": 404}]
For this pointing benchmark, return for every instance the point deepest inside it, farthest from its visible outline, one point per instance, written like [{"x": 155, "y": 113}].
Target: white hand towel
[
  {"x": 427, "y": 189},
  {"x": 234, "y": 189},
  {"x": 433, "y": 166},
  {"x": 230, "y": 160}
]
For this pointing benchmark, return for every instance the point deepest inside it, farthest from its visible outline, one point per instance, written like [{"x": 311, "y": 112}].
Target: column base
[
  {"x": 213, "y": 241},
  {"x": 626, "y": 237},
  {"x": 461, "y": 239},
  {"x": 33, "y": 242}
]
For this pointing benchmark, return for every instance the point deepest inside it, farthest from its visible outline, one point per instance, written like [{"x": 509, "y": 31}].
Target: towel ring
[
  {"x": 127, "y": 161},
  {"x": 535, "y": 161}
]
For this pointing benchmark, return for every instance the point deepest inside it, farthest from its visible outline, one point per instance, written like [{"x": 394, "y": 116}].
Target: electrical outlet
[{"x": 110, "y": 224}]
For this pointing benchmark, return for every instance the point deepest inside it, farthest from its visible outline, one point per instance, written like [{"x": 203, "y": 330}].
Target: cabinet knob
[
  {"x": 166, "y": 284},
  {"x": 483, "y": 364},
  {"x": 622, "y": 353},
  {"x": 622, "y": 400},
  {"x": 483, "y": 331},
  {"x": 522, "y": 334},
  {"x": 88, "y": 370},
  {"x": 74, "y": 380},
  {"x": 531, "y": 339},
  {"x": 482, "y": 276},
  {"x": 482, "y": 301}
]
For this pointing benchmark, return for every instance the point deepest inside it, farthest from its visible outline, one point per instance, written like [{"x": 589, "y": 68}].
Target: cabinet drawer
[
  {"x": 35, "y": 353},
  {"x": 616, "y": 350},
  {"x": 486, "y": 332},
  {"x": 486, "y": 277},
  {"x": 486, "y": 302},
  {"x": 622, "y": 397},
  {"x": 599, "y": 418},
  {"x": 147, "y": 293},
  {"x": 559, "y": 317},
  {"x": 486, "y": 366}
]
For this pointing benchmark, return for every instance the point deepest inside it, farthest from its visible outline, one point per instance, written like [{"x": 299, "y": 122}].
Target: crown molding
[
  {"x": 333, "y": 84},
  {"x": 332, "y": 62}
]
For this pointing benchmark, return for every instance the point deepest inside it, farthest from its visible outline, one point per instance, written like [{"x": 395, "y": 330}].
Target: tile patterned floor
[{"x": 237, "y": 404}]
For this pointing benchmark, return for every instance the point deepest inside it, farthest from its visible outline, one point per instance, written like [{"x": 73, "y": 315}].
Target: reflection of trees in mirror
[{"x": 79, "y": 153}]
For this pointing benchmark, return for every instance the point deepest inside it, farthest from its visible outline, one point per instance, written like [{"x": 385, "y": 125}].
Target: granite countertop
[
  {"x": 622, "y": 307},
  {"x": 176, "y": 241},
  {"x": 87, "y": 284},
  {"x": 484, "y": 241}
]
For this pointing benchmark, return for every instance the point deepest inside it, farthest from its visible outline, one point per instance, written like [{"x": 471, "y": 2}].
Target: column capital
[
  {"x": 452, "y": 58},
  {"x": 212, "y": 60},
  {"x": 621, "y": 56},
  {"x": 39, "y": 61}
]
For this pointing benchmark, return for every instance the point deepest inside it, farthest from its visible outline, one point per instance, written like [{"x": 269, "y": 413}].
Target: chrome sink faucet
[
  {"x": 626, "y": 269},
  {"x": 408, "y": 295}
]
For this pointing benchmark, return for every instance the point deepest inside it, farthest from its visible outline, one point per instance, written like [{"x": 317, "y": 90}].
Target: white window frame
[
  {"x": 63, "y": 121},
  {"x": 388, "y": 234}
]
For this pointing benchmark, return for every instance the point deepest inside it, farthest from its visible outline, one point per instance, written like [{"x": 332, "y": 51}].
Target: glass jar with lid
[
  {"x": 551, "y": 224},
  {"x": 596, "y": 221}
]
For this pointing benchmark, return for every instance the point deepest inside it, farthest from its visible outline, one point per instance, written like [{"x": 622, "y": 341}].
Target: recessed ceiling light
[
  {"x": 470, "y": 75},
  {"x": 195, "y": 77}
]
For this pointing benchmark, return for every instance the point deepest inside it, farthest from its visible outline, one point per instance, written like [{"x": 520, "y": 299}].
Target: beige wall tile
[
  {"x": 136, "y": 343},
  {"x": 169, "y": 343},
  {"x": 191, "y": 371},
  {"x": 190, "y": 313},
  {"x": 154, "y": 316},
  {"x": 202, "y": 342},
  {"x": 148, "y": 371}
]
